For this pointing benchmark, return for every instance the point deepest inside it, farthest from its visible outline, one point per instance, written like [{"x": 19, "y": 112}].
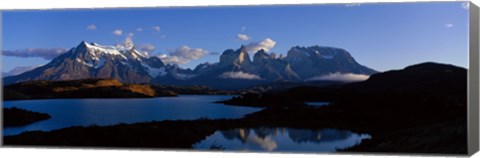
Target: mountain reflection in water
[{"x": 281, "y": 139}]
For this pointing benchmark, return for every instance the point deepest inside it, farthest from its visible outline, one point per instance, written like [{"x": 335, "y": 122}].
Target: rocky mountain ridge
[{"x": 128, "y": 65}]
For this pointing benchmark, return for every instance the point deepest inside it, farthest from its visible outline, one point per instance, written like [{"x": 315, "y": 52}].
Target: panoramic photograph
[{"x": 319, "y": 78}]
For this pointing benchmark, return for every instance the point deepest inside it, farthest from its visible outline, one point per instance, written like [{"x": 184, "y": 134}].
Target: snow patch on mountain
[
  {"x": 97, "y": 50},
  {"x": 328, "y": 53},
  {"x": 84, "y": 63},
  {"x": 95, "y": 63},
  {"x": 155, "y": 72},
  {"x": 99, "y": 63},
  {"x": 328, "y": 56},
  {"x": 185, "y": 76}
]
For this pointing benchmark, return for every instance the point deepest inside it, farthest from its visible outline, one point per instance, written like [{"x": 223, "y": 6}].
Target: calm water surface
[
  {"x": 281, "y": 139},
  {"x": 84, "y": 112}
]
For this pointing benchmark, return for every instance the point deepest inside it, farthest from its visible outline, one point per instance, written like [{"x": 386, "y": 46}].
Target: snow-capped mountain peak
[
  {"x": 96, "y": 51},
  {"x": 126, "y": 64},
  {"x": 92, "y": 60}
]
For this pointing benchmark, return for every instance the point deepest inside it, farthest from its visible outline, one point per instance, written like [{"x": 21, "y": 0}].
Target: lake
[
  {"x": 85, "y": 112},
  {"x": 281, "y": 139}
]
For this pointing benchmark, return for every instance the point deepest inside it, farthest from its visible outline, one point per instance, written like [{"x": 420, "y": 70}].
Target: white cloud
[
  {"x": 347, "y": 77},
  {"x": 243, "y": 29},
  {"x": 45, "y": 53},
  {"x": 353, "y": 5},
  {"x": 163, "y": 36},
  {"x": 139, "y": 29},
  {"x": 265, "y": 44},
  {"x": 127, "y": 43},
  {"x": 131, "y": 34},
  {"x": 147, "y": 48},
  {"x": 91, "y": 27},
  {"x": 243, "y": 37},
  {"x": 448, "y": 25},
  {"x": 156, "y": 28},
  {"x": 239, "y": 75},
  {"x": 465, "y": 5},
  {"x": 172, "y": 59},
  {"x": 188, "y": 53},
  {"x": 117, "y": 32},
  {"x": 183, "y": 55},
  {"x": 19, "y": 70}
]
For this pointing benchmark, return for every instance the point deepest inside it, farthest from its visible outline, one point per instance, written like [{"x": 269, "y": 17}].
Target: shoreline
[{"x": 182, "y": 134}]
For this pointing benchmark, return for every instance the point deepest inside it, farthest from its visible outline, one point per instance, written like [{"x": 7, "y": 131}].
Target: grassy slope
[
  {"x": 98, "y": 88},
  {"x": 94, "y": 88}
]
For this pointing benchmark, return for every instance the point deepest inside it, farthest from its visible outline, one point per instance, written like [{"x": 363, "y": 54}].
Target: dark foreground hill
[
  {"x": 426, "y": 82},
  {"x": 415, "y": 109},
  {"x": 19, "y": 117}
]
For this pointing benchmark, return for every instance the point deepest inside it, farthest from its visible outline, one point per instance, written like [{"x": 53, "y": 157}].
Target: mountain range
[{"x": 234, "y": 70}]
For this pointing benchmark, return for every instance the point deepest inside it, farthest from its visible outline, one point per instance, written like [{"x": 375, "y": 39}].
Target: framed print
[{"x": 375, "y": 78}]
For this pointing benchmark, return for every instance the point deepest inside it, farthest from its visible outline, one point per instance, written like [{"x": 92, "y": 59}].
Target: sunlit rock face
[
  {"x": 91, "y": 60},
  {"x": 238, "y": 58}
]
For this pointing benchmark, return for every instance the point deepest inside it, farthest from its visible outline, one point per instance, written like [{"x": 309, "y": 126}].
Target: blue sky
[{"x": 382, "y": 36}]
